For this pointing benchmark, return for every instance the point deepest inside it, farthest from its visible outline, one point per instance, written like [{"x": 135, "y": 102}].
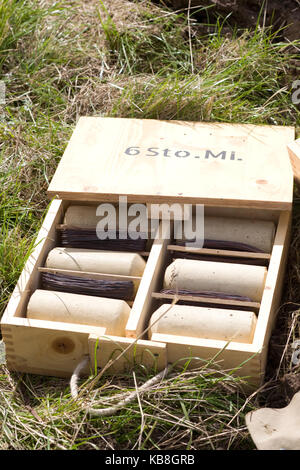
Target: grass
[
  {"x": 187, "y": 411},
  {"x": 127, "y": 59}
]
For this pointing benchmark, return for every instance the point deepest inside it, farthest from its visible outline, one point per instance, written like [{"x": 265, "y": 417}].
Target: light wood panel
[
  {"x": 150, "y": 280},
  {"x": 294, "y": 153},
  {"x": 29, "y": 278},
  {"x": 215, "y": 354},
  {"x": 218, "y": 252},
  {"x": 273, "y": 289},
  {"x": 171, "y": 161},
  {"x": 124, "y": 353},
  {"x": 90, "y": 275},
  {"x": 207, "y": 300},
  {"x": 46, "y": 347}
]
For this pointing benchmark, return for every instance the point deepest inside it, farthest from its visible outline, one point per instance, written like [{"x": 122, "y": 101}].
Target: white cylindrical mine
[
  {"x": 229, "y": 278},
  {"x": 111, "y": 314},
  {"x": 257, "y": 233},
  {"x": 204, "y": 322},
  {"x": 96, "y": 261},
  {"x": 80, "y": 216}
]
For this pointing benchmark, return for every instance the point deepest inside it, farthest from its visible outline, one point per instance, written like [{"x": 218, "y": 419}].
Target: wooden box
[{"x": 240, "y": 171}]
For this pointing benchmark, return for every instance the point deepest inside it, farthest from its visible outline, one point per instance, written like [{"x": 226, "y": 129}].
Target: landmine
[
  {"x": 242, "y": 176},
  {"x": 204, "y": 322},
  {"x": 227, "y": 278},
  {"x": 109, "y": 262}
]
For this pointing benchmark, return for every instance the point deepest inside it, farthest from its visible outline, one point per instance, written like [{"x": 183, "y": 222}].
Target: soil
[
  {"x": 246, "y": 13},
  {"x": 290, "y": 384}
]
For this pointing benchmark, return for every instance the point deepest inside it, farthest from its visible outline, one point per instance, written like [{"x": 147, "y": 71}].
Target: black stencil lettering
[
  {"x": 132, "y": 151},
  {"x": 180, "y": 153},
  {"x": 153, "y": 152},
  {"x": 209, "y": 153}
]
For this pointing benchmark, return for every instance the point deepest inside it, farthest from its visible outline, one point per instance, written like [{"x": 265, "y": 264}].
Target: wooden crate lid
[{"x": 176, "y": 161}]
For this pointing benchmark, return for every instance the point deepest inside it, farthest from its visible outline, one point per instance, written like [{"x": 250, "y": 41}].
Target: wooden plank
[
  {"x": 90, "y": 275},
  {"x": 125, "y": 353},
  {"x": 195, "y": 352},
  {"x": 217, "y": 252},
  {"x": 176, "y": 211},
  {"x": 207, "y": 300},
  {"x": 176, "y": 161},
  {"x": 51, "y": 348},
  {"x": 294, "y": 153},
  {"x": 274, "y": 282},
  {"x": 205, "y": 343},
  {"x": 150, "y": 280},
  {"x": 242, "y": 212}
]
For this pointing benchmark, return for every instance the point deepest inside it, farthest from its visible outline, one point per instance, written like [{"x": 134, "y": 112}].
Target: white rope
[
  {"x": 76, "y": 374},
  {"x": 131, "y": 396}
]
